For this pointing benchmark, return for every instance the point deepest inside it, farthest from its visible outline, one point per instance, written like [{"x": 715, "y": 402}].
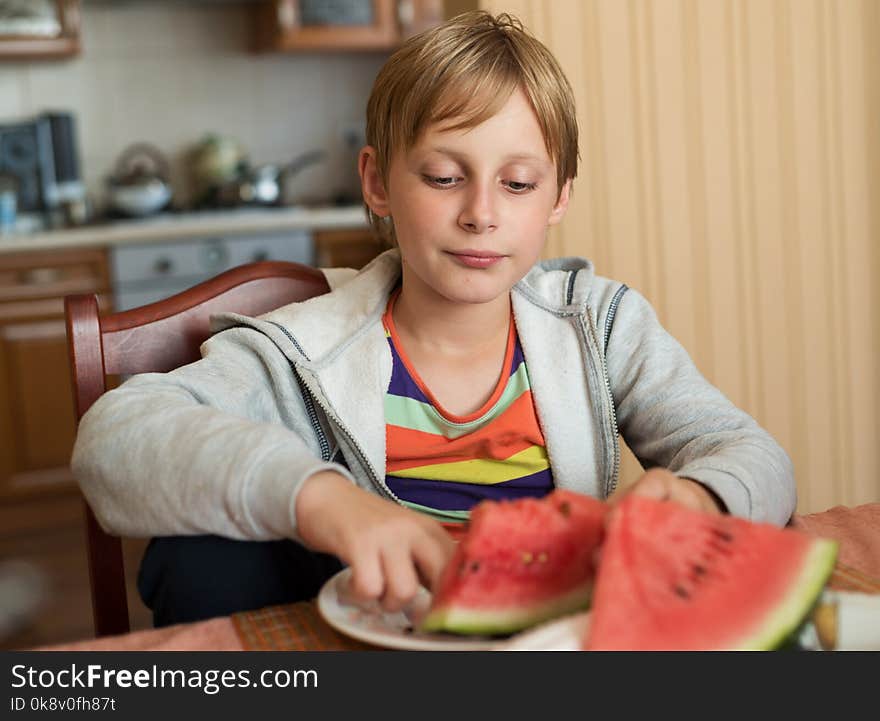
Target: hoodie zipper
[
  {"x": 615, "y": 432},
  {"x": 612, "y": 310},
  {"x": 609, "y": 323},
  {"x": 310, "y": 398},
  {"x": 377, "y": 482},
  {"x": 611, "y": 415}
]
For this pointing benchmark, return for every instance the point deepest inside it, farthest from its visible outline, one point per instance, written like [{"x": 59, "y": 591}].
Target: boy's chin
[{"x": 477, "y": 293}]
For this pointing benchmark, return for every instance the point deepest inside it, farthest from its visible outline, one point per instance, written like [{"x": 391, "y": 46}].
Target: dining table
[{"x": 302, "y": 627}]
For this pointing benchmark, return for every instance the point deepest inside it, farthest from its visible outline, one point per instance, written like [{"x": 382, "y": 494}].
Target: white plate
[
  {"x": 560, "y": 634},
  {"x": 390, "y": 630}
]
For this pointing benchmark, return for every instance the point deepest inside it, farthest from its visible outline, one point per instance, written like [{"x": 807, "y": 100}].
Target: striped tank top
[{"x": 442, "y": 464}]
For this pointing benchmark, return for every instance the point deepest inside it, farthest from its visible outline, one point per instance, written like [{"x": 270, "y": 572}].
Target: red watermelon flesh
[
  {"x": 521, "y": 562},
  {"x": 676, "y": 579}
]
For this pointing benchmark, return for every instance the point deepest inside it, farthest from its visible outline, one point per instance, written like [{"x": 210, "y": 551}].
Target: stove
[{"x": 147, "y": 272}]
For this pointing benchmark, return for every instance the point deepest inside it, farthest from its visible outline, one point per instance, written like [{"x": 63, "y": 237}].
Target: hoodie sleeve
[
  {"x": 221, "y": 446},
  {"x": 671, "y": 416}
]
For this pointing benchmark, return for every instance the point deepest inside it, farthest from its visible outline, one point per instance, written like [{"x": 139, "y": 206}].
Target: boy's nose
[{"x": 478, "y": 214}]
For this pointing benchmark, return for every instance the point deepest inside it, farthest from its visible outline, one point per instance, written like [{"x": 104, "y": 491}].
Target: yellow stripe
[{"x": 483, "y": 471}]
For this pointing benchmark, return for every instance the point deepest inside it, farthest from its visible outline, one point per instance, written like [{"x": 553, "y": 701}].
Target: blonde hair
[{"x": 465, "y": 70}]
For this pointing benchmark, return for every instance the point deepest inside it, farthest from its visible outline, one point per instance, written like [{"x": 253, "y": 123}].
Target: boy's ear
[
  {"x": 372, "y": 187},
  {"x": 558, "y": 212}
]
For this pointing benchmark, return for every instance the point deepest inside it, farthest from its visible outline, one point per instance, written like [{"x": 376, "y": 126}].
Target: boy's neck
[{"x": 443, "y": 326}]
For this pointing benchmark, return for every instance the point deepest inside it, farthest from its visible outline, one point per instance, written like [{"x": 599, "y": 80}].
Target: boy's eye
[
  {"x": 441, "y": 181},
  {"x": 519, "y": 187}
]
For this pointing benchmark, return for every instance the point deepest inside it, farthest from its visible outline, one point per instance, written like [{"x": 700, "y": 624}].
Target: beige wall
[{"x": 729, "y": 160}]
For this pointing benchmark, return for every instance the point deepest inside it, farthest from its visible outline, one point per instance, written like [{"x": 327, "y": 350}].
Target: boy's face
[{"x": 471, "y": 207}]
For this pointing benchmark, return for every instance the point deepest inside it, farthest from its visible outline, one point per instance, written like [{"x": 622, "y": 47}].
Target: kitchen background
[
  {"x": 169, "y": 73},
  {"x": 207, "y": 100},
  {"x": 730, "y": 172}
]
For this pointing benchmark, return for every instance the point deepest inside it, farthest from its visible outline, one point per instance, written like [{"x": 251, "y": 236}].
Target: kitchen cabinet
[
  {"x": 293, "y": 25},
  {"x": 37, "y": 420},
  {"x": 346, "y": 248},
  {"x": 51, "y": 30}
]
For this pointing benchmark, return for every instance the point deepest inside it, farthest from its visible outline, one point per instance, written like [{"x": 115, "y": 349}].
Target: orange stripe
[
  {"x": 388, "y": 319},
  {"x": 513, "y": 431},
  {"x": 456, "y": 530}
]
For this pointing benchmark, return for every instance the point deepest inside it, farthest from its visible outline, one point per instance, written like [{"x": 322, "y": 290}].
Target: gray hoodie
[{"x": 222, "y": 446}]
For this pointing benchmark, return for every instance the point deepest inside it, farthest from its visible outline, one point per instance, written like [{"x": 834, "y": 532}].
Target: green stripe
[
  {"x": 440, "y": 515},
  {"x": 418, "y": 416},
  {"x": 487, "y": 471}
]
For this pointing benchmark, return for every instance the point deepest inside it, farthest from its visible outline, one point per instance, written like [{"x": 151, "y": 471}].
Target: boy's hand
[
  {"x": 663, "y": 485},
  {"x": 390, "y": 549}
]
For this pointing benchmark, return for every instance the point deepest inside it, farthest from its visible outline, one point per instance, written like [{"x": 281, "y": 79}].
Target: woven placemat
[
  {"x": 292, "y": 627},
  {"x": 299, "y": 626},
  {"x": 846, "y": 578}
]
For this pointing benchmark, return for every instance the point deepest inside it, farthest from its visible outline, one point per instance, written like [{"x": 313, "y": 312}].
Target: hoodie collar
[{"x": 324, "y": 326}]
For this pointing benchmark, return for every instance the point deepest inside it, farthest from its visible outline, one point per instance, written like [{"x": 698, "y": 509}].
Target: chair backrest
[{"x": 159, "y": 337}]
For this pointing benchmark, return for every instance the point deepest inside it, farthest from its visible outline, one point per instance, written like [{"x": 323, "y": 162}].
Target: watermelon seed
[
  {"x": 697, "y": 573},
  {"x": 723, "y": 550},
  {"x": 565, "y": 508},
  {"x": 723, "y": 535},
  {"x": 681, "y": 591},
  {"x": 475, "y": 566}
]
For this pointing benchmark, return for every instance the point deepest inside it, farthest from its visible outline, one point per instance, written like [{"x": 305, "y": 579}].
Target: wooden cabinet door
[
  {"x": 38, "y": 410},
  {"x": 37, "y": 421},
  {"x": 50, "y": 30},
  {"x": 292, "y": 25},
  {"x": 346, "y": 248}
]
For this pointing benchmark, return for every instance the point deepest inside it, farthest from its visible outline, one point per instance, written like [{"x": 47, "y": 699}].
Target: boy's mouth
[{"x": 476, "y": 258}]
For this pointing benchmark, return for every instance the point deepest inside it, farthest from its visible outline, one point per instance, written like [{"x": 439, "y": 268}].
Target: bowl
[{"x": 140, "y": 199}]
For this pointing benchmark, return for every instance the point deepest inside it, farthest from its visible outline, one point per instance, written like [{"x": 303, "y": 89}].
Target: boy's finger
[
  {"x": 401, "y": 583},
  {"x": 654, "y": 484},
  {"x": 431, "y": 558},
  {"x": 367, "y": 580}
]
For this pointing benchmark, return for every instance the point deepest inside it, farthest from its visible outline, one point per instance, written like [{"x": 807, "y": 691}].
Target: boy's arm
[
  {"x": 215, "y": 447},
  {"x": 671, "y": 416}
]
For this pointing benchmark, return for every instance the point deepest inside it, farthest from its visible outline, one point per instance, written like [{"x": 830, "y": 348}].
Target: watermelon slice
[
  {"x": 675, "y": 579},
  {"x": 521, "y": 562}
]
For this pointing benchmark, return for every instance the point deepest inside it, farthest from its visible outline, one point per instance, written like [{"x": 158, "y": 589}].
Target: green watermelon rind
[
  {"x": 790, "y": 613},
  {"x": 494, "y": 622}
]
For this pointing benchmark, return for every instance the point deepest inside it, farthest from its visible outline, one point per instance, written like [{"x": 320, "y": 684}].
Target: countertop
[{"x": 195, "y": 224}]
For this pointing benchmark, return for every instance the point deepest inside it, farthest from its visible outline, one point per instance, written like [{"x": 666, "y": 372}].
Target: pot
[{"x": 265, "y": 184}]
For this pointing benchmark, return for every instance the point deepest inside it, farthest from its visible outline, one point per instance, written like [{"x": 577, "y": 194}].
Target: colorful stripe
[{"x": 442, "y": 464}]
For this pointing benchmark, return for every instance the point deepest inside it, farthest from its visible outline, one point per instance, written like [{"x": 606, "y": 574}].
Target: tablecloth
[{"x": 298, "y": 626}]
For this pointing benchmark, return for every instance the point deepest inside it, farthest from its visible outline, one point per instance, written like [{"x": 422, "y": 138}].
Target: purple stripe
[
  {"x": 451, "y": 496},
  {"x": 517, "y": 356},
  {"x": 402, "y": 383}
]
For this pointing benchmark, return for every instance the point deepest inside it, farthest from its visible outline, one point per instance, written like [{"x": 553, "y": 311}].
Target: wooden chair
[{"x": 159, "y": 337}]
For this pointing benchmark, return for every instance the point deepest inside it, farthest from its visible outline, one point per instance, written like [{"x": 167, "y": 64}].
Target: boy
[{"x": 360, "y": 425}]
